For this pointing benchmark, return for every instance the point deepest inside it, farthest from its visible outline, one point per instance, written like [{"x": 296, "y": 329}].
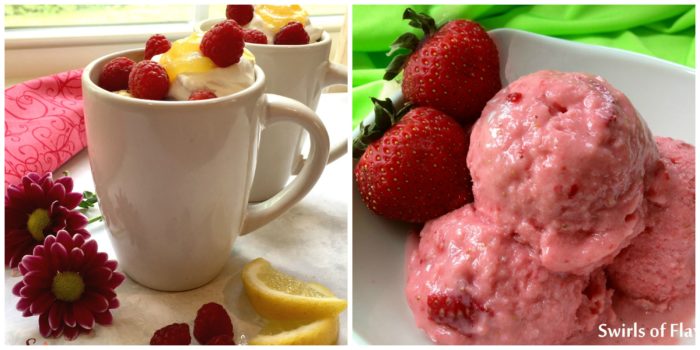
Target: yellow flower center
[
  {"x": 38, "y": 221},
  {"x": 68, "y": 286}
]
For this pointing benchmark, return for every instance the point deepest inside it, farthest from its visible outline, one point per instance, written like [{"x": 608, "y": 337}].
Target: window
[
  {"x": 33, "y": 16},
  {"x": 42, "y": 16},
  {"x": 73, "y": 35}
]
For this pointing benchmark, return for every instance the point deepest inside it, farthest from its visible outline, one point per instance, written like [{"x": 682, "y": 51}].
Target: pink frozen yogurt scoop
[
  {"x": 659, "y": 265},
  {"x": 563, "y": 160},
  {"x": 470, "y": 282}
]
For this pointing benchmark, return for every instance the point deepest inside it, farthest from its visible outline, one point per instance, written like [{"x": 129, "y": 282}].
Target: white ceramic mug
[
  {"x": 173, "y": 177},
  {"x": 299, "y": 72}
]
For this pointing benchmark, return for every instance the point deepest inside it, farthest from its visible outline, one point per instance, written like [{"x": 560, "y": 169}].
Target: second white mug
[{"x": 299, "y": 72}]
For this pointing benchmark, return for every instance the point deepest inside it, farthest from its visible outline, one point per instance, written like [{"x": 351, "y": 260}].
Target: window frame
[{"x": 26, "y": 49}]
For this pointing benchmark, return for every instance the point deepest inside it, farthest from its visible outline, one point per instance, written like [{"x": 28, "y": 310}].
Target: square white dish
[{"x": 662, "y": 92}]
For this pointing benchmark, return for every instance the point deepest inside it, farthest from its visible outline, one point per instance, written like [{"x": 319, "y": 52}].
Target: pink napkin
[{"x": 44, "y": 124}]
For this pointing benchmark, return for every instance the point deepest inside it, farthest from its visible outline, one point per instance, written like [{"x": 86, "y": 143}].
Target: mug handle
[
  {"x": 279, "y": 108},
  {"x": 336, "y": 74}
]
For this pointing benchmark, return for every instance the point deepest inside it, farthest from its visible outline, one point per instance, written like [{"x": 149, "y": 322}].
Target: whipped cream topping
[
  {"x": 221, "y": 81},
  {"x": 276, "y": 17},
  {"x": 189, "y": 71}
]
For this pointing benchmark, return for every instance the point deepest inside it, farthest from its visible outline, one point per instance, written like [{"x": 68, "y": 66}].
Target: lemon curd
[
  {"x": 277, "y": 16},
  {"x": 184, "y": 56}
]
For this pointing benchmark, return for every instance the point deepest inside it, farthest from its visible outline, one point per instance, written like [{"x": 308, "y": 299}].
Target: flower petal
[
  {"x": 31, "y": 292},
  {"x": 116, "y": 280},
  {"x": 90, "y": 249},
  {"x": 57, "y": 192},
  {"x": 58, "y": 212},
  {"x": 60, "y": 256},
  {"x": 95, "y": 302},
  {"x": 72, "y": 199},
  {"x": 75, "y": 220},
  {"x": 23, "y": 305},
  {"x": 114, "y": 303},
  {"x": 111, "y": 264},
  {"x": 36, "y": 195},
  {"x": 104, "y": 318},
  {"x": 83, "y": 316},
  {"x": 18, "y": 244},
  {"x": 56, "y": 315},
  {"x": 38, "y": 279},
  {"x": 67, "y": 182},
  {"x": 44, "y": 328},
  {"x": 40, "y": 249},
  {"x": 17, "y": 287},
  {"x": 28, "y": 180},
  {"x": 97, "y": 276},
  {"x": 46, "y": 182},
  {"x": 104, "y": 291},
  {"x": 79, "y": 237},
  {"x": 14, "y": 194},
  {"x": 69, "y": 317},
  {"x": 33, "y": 262},
  {"x": 71, "y": 332},
  {"x": 48, "y": 241},
  {"x": 65, "y": 238},
  {"x": 42, "y": 303},
  {"x": 23, "y": 270},
  {"x": 100, "y": 259},
  {"x": 75, "y": 259}
]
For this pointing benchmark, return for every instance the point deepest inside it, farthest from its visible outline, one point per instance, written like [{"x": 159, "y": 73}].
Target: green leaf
[
  {"x": 421, "y": 21},
  {"x": 395, "y": 66},
  {"x": 408, "y": 41},
  {"x": 95, "y": 219},
  {"x": 89, "y": 200},
  {"x": 385, "y": 116}
]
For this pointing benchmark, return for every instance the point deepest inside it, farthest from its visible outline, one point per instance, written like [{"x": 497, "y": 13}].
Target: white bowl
[{"x": 662, "y": 92}]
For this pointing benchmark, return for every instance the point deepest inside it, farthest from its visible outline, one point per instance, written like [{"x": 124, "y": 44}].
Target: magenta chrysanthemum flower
[
  {"x": 69, "y": 285},
  {"x": 36, "y": 208}
]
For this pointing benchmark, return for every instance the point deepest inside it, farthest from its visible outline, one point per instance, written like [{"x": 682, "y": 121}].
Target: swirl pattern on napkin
[{"x": 44, "y": 124}]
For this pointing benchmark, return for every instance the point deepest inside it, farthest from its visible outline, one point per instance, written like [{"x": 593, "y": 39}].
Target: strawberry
[
  {"x": 455, "y": 311},
  {"x": 416, "y": 170},
  {"x": 454, "y": 69}
]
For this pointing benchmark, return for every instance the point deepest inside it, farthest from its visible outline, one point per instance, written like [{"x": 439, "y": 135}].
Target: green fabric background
[{"x": 663, "y": 31}]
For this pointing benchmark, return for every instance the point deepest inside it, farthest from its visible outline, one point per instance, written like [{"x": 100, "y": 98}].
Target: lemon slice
[
  {"x": 321, "y": 332},
  {"x": 278, "y": 296}
]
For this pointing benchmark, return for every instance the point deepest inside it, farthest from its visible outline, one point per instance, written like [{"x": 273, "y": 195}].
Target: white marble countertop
[{"x": 310, "y": 241}]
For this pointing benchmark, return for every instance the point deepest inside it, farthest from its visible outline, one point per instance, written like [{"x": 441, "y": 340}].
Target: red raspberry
[
  {"x": 212, "y": 320},
  {"x": 221, "y": 340},
  {"x": 115, "y": 74},
  {"x": 174, "y": 334},
  {"x": 156, "y": 45},
  {"x": 254, "y": 36},
  {"x": 148, "y": 80},
  {"x": 292, "y": 33},
  {"x": 201, "y": 95},
  {"x": 242, "y": 14},
  {"x": 223, "y": 43}
]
